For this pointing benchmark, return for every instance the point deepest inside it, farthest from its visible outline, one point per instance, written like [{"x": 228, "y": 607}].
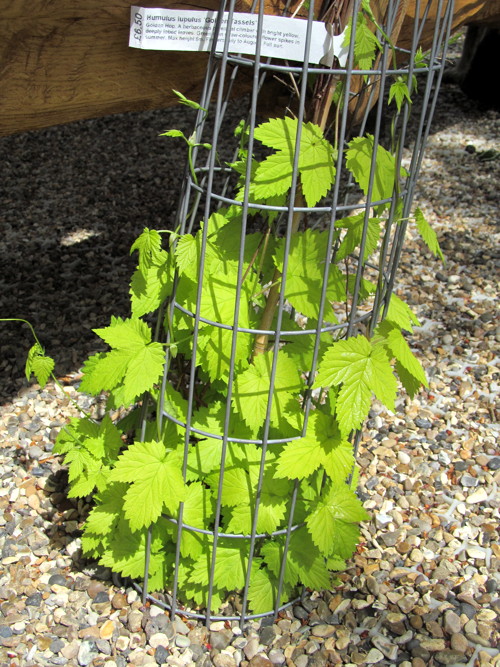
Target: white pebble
[
  {"x": 478, "y": 496},
  {"x": 404, "y": 458}
]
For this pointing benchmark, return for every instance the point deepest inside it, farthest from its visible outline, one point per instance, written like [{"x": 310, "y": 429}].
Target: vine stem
[
  {"x": 321, "y": 110},
  {"x": 266, "y": 322}
]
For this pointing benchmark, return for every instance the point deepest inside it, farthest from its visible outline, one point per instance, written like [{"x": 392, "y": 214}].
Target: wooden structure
[{"x": 66, "y": 60}]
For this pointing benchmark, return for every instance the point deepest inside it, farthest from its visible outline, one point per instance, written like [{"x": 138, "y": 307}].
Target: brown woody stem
[{"x": 266, "y": 322}]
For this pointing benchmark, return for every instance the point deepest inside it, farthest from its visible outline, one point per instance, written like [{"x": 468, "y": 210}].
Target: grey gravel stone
[
  {"x": 161, "y": 655},
  {"x": 494, "y": 463},
  {"x": 86, "y": 653}
]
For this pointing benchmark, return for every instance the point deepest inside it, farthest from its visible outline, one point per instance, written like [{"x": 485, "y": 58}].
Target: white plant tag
[{"x": 193, "y": 30}]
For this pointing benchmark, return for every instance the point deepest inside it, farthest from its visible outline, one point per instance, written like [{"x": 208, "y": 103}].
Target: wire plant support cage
[{"x": 330, "y": 277}]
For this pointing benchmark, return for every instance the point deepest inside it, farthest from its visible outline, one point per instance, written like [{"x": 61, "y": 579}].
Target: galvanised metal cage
[{"x": 345, "y": 102}]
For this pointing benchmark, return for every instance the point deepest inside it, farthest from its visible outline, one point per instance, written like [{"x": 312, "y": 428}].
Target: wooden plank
[
  {"x": 66, "y": 60},
  {"x": 62, "y": 61}
]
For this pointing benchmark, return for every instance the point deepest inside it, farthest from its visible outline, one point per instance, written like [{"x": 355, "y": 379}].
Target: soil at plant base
[{"x": 423, "y": 587}]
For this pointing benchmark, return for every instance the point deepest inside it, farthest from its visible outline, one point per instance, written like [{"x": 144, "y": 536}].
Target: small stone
[
  {"x": 300, "y": 661},
  {"x": 432, "y": 644},
  {"x": 223, "y": 660},
  {"x": 5, "y": 631},
  {"x": 86, "y": 653},
  {"x": 323, "y": 630},
  {"x": 468, "y": 481},
  {"x": 468, "y": 610},
  {"x": 407, "y": 603},
  {"x": 180, "y": 626},
  {"x": 372, "y": 585},
  {"x": 478, "y": 496},
  {"x": 477, "y": 639},
  {"x": 107, "y": 629},
  {"x": 418, "y": 662},
  {"x": 134, "y": 621},
  {"x": 404, "y": 458},
  {"x": 434, "y": 629},
  {"x": 300, "y": 613},
  {"x": 119, "y": 600},
  {"x": 34, "y": 600},
  {"x": 158, "y": 639},
  {"x": 198, "y": 635},
  {"x": 452, "y": 623},
  {"x": 374, "y": 656},
  {"x": 252, "y": 647},
  {"x": 424, "y": 423},
  {"x": 416, "y": 555},
  {"x": 220, "y": 640},
  {"x": 101, "y": 597},
  {"x": 494, "y": 463},
  {"x": 70, "y": 651},
  {"x": 103, "y": 646},
  {"x": 181, "y": 641},
  {"x": 448, "y": 657},
  {"x": 122, "y": 643},
  {"x": 215, "y": 626},
  {"x": 161, "y": 655},
  {"x": 261, "y": 661},
  {"x": 277, "y": 657},
  {"x": 58, "y": 580},
  {"x": 35, "y": 452},
  {"x": 267, "y": 635},
  {"x": 383, "y": 644},
  {"x": 56, "y": 645}
]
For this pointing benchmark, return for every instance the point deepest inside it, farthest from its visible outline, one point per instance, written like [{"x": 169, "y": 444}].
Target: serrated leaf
[
  {"x": 34, "y": 351},
  {"x": 130, "y": 334},
  {"x": 354, "y": 226},
  {"x": 300, "y": 458},
  {"x": 428, "y": 234},
  {"x": 400, "y": 314},
  {"x": 272, "y": 552},
  {"x": 304, "y": 276},
  {"x": 214, "y": 351},
  {"x": 399, "y": 92},
  {"x": 251, "y": 389},
  {"x": 323, "y": 446},
  {"x": 396, "y": 343},
  {"x": 305, "y": 559},
  {"x": 75, "y": 434},
  {"x": 231, "y": 563},
  {"x": 332, "y": 523},
  {"x": 143, "y": 371},
  {"x": 410, "y": 383},
  {"x": 262, "y": 591},
  {"x": 104, "y": 517},
  {"x": 360, "y": 368},
  {"x": 126, "y": 553},
  {"x": 198, "y": 511},
  {"x": 105, "y": 372},
  {"x": 359, "y": 160},
  {"x": 148, "y": 245},
  {"x": 149, "y": 288},
  {"x": 187, "y": 255},
  {"x": 366, "y": 43},
  {"x": 273, "y": 176},
  {"x": 157, "y": 482},
  {"x": 42, "y": 367},
  {"x": 78, "y": 460}
]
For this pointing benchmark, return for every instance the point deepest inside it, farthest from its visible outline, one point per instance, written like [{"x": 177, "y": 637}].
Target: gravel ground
[{"x": 422, "y": 588}]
